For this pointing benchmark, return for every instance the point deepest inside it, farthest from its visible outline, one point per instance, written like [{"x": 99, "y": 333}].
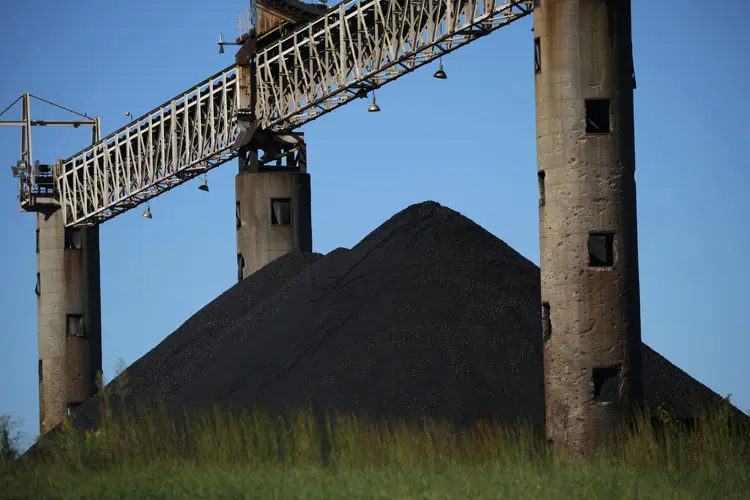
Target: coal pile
[{"x": 429, "y": 315}]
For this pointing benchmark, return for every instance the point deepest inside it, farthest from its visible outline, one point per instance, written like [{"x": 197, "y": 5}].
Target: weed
[
  {"x": 226, "y": 451},
  {"x": 9, "y": 440}
]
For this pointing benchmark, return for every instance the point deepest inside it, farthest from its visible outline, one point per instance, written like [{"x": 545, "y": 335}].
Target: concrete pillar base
[
  {"x": 587, "y": 211},
  {"x": 69, "y": 316},
  {"x": 273, "y": 216}
]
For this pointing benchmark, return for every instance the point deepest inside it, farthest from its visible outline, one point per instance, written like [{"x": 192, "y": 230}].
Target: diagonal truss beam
[{"x": 357, "y": 45}]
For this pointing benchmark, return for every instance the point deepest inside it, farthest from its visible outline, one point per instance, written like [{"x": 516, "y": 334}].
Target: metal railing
[{"x": 246, "y": 20}]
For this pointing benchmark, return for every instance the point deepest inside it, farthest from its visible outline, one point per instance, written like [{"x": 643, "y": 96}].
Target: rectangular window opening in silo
[
  {"x": 541, "y": 175},
  {"x": 606, "y": 384},
  {"x": 240, "y": 266},
  {"x": 597, "y": 116},
  {"x": 38, "y": 287},
  {"x": 72, "y": 239},
  {"x": 537, "y": 4},
  {"x": 546, "y": 322},
  {"x": 37, "y": 241},
  {"x": 601, "y": 249},
  {"x": 75, "y": 326},
  {"x": 238, "y": 220},
  {"x": 73, "y": 407},
  {"x": 537, "y": 55},
  {"x": 281, "y": 212},
  {"x": 41, "y": 372}
]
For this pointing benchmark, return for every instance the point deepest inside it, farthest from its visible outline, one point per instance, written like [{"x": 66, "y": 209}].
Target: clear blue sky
[{"x": 467, "y": 142}]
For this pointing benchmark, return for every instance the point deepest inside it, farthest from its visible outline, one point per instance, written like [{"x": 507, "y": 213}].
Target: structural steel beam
[{"x": 47, "y": 123}]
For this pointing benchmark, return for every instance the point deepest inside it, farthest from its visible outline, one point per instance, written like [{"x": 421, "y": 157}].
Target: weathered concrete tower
[
  {"x": 273, "y": 209},
  {"x": 67, "y": 281},
  {"x": 69, "y": 314},
  {"x": 587, "y": 210},
  {"x": 272, "y": 190}
]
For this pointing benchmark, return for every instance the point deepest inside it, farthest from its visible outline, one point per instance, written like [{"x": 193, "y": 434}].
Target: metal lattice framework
[{"x": 355, "y": 47}]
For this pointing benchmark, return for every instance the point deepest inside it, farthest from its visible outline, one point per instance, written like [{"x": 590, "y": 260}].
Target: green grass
[
  {"x": 237, "y": 455},
  {"x": 492, "y": 480}
]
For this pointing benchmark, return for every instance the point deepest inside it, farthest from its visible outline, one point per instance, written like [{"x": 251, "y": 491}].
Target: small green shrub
[{"x": 9, "y": 440}]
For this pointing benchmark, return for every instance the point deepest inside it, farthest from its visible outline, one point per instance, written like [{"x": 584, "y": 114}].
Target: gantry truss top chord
[{"x": 353, "y": 48}]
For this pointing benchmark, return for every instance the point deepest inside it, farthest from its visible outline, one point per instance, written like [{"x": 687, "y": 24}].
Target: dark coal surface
[
  {"x": 666, "y": 383},
  {"x": 163, "y": 370},
  {"x": 429, "y": 315}
]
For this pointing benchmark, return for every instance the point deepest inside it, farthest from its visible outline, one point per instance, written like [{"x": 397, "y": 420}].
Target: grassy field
[{"x": 230, "y": 455}]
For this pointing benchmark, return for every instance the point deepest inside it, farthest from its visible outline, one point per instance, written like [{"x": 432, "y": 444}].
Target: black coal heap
[{"x": 429, "y": 315}]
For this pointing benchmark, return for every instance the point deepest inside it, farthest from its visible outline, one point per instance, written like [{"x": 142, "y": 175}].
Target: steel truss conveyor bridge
[{"x": 353, "y": 48}]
